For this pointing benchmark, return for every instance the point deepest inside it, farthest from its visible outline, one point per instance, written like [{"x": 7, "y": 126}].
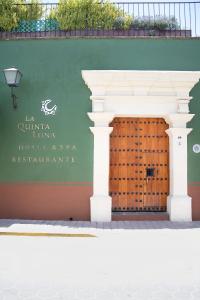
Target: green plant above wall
[
  {"x": 157, "y": 22},
  {"x": 89, "y": 14},
  {"x": 12, "y": 12}
]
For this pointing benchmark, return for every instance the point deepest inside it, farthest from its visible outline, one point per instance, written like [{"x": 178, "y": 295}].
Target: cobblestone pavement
[{"x": 127, "y": 260}]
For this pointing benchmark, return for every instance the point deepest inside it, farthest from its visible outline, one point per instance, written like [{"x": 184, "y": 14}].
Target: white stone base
[
  {"x": 179, "y": 208},
  {"x": 100, "y": 209}
]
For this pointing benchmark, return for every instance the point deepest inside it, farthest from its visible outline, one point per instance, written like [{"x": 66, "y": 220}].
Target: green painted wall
[{"x": 52, "y": 70}]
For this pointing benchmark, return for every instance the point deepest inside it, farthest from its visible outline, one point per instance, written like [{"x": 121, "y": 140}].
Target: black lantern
[{"x": 13, "y": 77}]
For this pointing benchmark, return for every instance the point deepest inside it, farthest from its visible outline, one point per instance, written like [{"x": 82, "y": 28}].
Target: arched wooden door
[{"x": 139, "y": 164}]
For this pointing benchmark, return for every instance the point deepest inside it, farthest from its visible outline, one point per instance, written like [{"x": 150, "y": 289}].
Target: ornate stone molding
[
  {"x": 183, "y": 105},
  {"x": 141, "y": 83}
]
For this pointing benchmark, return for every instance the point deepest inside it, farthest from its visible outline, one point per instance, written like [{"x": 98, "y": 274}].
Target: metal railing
[{"x": 137, "y": 19}]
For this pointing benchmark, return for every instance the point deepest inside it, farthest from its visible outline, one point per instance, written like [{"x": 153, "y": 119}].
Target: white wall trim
[{"x": 162, "y": 94}]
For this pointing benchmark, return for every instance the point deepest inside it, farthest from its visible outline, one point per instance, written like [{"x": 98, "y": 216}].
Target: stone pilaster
[
  {"x": 178, "y": 202},
  {"x": 101, "y": 202}
]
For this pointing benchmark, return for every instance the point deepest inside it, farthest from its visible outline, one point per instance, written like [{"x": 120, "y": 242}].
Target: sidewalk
[
  {"x": 83, "y": 226},
  {"x": 125, "y": 261}
]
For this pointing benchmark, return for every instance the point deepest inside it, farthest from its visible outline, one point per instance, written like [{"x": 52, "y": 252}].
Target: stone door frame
[{"x": 158, "y": 94}]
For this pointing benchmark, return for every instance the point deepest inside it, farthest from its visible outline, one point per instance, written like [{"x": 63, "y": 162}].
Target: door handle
[{"x": 150, "y": 172}]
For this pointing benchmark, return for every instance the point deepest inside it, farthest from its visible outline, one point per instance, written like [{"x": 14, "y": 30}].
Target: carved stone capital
[
  {"x": 101, "y": 119},
  {"x": 178, "y": 120}
]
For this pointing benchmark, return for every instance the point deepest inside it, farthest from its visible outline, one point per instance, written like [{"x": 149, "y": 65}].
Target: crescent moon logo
[{"x": 48, "y": 110}]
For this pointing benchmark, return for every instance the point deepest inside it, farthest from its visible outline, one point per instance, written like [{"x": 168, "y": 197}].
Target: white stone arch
[{"x": 163, "y": 94}]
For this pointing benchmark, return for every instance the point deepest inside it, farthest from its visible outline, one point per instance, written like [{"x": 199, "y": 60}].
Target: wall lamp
[{"x": 13, "y": 77}]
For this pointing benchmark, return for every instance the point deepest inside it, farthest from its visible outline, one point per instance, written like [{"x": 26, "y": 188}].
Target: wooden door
[{"x": 139, "y": 164}]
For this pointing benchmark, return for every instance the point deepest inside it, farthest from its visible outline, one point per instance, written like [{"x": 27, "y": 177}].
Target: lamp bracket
[{"x": 14, "y": 98}]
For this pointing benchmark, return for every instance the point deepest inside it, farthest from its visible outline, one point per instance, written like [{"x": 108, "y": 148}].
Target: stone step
[{"x": 140, "y": 216}]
